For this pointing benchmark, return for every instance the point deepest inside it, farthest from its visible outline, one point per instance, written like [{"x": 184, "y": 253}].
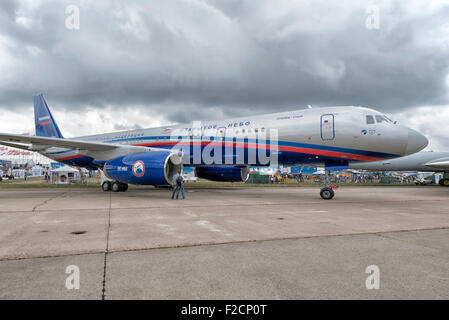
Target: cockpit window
[
  {"x": 389, "y": 120},
  {"x": 381, "y": 119},
  {"x": 370, "y": 120}
]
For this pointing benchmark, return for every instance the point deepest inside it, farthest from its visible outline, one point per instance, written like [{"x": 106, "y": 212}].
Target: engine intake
[{"x": 155, "y": 168}]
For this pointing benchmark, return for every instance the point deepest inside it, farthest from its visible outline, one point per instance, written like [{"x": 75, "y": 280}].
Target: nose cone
[{"x": 416, "y": 142}]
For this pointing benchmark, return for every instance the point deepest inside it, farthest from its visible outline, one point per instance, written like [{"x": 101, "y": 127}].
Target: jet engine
[
  {"x": 223, "y": 174},
  {"x": 155, "y": 168}
]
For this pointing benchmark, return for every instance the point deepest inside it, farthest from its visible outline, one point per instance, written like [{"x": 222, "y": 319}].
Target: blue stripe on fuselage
[
  {"x": 291, "y": 156},
  {"x": 281, "y": 143}
]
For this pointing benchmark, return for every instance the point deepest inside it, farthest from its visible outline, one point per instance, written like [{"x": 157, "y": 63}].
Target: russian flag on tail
[{"x": 43, "y": 119}]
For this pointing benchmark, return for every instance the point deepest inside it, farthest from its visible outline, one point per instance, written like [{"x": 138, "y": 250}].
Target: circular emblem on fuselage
[{"x": 138, "y": 168}]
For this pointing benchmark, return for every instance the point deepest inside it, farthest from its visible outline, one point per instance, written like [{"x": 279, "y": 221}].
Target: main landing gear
[
  {"x": 327, "y": 192},
  {"x": 115, "y": 186}
]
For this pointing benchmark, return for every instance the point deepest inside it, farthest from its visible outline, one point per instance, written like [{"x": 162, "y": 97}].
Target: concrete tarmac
[{"x": 225, "y": 243}]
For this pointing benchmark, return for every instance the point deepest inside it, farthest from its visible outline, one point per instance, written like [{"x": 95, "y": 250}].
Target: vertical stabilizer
[{"x": 43, "y": 119}]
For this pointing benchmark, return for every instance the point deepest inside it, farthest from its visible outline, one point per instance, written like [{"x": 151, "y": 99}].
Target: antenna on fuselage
[{"x": 309, "y": 106}]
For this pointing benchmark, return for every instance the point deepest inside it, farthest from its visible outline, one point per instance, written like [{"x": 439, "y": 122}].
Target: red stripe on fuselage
[
  {"x": 71, "y": 157},
  {"x": 317, "y": 152}
]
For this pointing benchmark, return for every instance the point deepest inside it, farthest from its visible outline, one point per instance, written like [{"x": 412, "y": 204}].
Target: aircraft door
[{"x": 327, "y": 127}]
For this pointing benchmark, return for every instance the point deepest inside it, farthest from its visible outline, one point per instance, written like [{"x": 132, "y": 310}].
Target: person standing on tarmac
[
  {"x": 175, "y": 185},
  {"x": 180, "y": 187}
]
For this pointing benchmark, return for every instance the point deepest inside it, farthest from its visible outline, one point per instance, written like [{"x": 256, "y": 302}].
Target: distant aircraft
[
  {"x": 223, "y": 150},
  {"x": 422, "y": 161}
]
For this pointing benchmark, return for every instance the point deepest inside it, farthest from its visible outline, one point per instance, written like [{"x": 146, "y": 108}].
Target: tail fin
[{"x": 45, "y": 123}]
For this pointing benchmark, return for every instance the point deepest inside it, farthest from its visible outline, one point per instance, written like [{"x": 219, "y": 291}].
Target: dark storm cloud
[{"x": 210, "y": 59}]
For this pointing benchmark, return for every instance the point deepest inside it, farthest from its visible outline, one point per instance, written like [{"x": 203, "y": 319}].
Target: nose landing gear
[{"x": 327, "y": 192}]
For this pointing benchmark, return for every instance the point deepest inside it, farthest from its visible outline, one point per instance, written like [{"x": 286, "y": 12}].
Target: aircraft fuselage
[{"x": 330, "y": 135}]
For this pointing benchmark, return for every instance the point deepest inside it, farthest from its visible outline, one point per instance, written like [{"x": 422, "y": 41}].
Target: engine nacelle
[
  {"x": 155, "y": 168},
  {"x": 223, "y": 174}
]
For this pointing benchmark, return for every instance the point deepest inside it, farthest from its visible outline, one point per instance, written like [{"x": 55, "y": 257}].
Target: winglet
[{"x": 45, "y": 123}]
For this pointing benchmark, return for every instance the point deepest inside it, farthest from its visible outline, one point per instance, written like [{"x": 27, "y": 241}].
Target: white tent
[
  {"x": 18, "y": 173},
  {"x": 64, "y": 175},
  {"x": 37, "y": 171}
]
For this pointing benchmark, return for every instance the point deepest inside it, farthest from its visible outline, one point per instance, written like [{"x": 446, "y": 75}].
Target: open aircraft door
[{"x": 327, "y": 127}]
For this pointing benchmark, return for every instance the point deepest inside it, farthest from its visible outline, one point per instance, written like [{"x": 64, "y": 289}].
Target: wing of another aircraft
[
  {"x": 97, "y": 150},
  {"x": 442, "y": 163}
]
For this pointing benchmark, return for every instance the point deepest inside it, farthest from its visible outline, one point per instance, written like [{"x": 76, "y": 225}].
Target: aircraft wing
[
  {"x": 15, "y": 145},
  {"x": 442, "y": 163},
  {"x": 97, "y": 150},
  {"x": 58, "y": 142}
]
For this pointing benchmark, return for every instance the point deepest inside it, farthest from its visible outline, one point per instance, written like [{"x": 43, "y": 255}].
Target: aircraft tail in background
[{"x": 44, "y": 122}]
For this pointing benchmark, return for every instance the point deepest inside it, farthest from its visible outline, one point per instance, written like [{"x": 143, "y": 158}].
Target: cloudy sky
[{"x": 139, "y": 63}]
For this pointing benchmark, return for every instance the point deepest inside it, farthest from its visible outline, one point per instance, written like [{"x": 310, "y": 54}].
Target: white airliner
[
  {"x": 223, "y": 150},
  {"x": 422, "y": 161}
]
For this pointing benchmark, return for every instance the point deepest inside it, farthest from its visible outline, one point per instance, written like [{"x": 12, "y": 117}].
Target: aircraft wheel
[
  {"x": 106, "y": 186},
  {"x": 116, "y": 186},
  {"x": 327, "y": 193},
  {"x": 123, "y": 187}
]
